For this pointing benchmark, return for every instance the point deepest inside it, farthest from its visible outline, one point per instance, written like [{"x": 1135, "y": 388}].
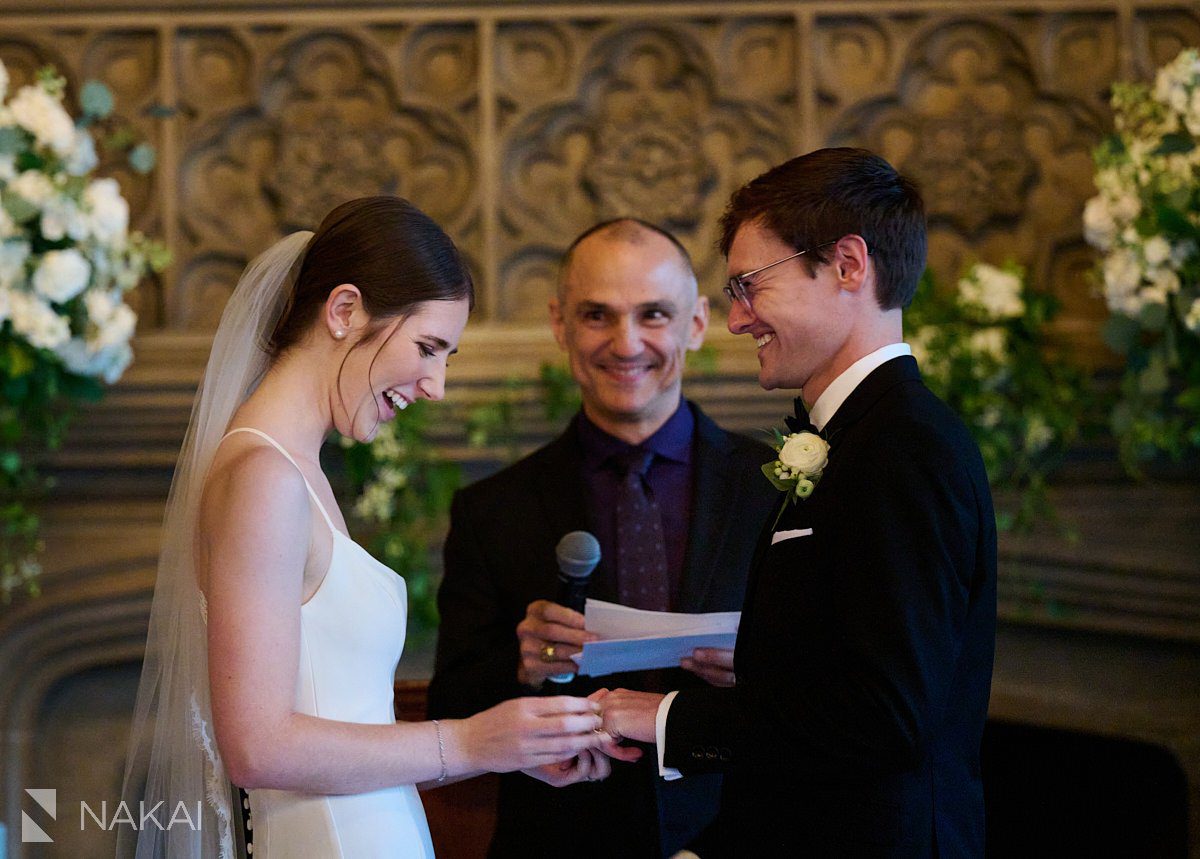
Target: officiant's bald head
[{"x": 627, "y": 311}]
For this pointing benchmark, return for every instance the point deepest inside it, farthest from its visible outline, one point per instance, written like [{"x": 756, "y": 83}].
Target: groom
[{"x": 864, "y": 657}]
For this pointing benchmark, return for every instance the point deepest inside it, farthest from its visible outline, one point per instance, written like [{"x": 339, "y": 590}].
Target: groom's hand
[
  {"x": 629, "y": 715},
  {"x": 712, "y": 664}
]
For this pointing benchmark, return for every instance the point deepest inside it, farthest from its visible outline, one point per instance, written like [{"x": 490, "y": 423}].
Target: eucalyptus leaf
[
  {"x": 20, "y": 209},
  {"x": 142, "y": 158},
  {"x": 1121, "y": 333},
  {"x": 1153, "y": 316},
  {"x": 1154, "y": 380},
  {"x": 96, "y": 100},
  {"x": 14, "y": 140},
  {"x": 1177, "y": 143}
]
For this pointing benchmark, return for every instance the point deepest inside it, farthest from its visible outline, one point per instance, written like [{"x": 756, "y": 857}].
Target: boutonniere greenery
[{"x": 802, "y": 459}]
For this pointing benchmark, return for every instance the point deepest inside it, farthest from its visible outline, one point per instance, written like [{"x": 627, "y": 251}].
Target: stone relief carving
[
  {"x": 643, "y": 127},
  {"x": 1002, "y": 153},
  {"x": 324, "y": 123},
  {"x": 603, "y": 114}
]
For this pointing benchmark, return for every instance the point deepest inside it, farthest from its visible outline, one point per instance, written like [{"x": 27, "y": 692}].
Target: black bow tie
[{"x": 800, "y": 422}]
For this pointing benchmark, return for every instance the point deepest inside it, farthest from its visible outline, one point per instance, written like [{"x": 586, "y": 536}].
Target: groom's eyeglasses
[{"x": 737, "y": 286}]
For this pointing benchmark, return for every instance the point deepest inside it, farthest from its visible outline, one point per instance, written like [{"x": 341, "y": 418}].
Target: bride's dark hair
[{"x": 395, "y": 254}]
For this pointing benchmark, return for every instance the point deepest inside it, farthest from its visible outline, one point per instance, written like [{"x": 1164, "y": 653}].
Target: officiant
[{"x": 676, "y": 503}]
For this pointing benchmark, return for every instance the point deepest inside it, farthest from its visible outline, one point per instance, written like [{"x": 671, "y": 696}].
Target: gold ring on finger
[{"x": 549, "y": 652}]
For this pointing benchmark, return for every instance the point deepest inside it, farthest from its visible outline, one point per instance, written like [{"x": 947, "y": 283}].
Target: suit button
[
  {"x": 711, "y": 753},
  {"x": 725, "y": 754},
  {"x": 698, "y": 754}
]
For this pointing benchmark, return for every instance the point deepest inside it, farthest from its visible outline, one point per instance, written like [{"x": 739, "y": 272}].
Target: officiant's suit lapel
[{"x": 500, "y": 557}]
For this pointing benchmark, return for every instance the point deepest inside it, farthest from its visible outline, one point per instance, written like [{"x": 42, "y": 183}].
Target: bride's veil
[{"x": 173, "y": 756}]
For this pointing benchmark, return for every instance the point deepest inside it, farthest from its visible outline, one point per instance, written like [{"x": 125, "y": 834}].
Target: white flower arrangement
[
  {"x": 1145, "y": 219},
  {"x": 980, "y": 348},
  {"x": 67, "y": 258},
  {"x": 67, "y": 261}
]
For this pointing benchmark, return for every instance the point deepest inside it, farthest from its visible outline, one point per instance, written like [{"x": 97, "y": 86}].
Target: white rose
[
  {"x": 996, "y": 292},
  {"x": 1153, "y": 295},
  {"x": 116, "y": 329},
  {"x": 107, "y": 364},
  {"x": 43, "y": 116},
  {"x": 1099, "y": 228},
  {"x": 62, "y": 275},
  {"x": 1166, "y": 280},
  {"x": 1192, "y": 319},
  {"x": 804, "y": 452},
  {"x": 1156, "y": 250},
  {"x": 82, "y": 158},
  {"x": 992, "y": 342},
  {"x": 34, "y": 187},
  {"x": 61, "y": 217},
  {"x": 37, "y": 322},
  {"x": 1126, "y": 207},
  {"x": 1192, "y": 118},
  {"x": 107, "y": 209},
  {"x": 12, "y": 263},
  {"x": 1122, "y": 273}
]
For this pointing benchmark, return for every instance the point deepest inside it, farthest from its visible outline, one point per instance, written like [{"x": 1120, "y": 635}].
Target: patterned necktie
[{"x": 642, "y": 578}]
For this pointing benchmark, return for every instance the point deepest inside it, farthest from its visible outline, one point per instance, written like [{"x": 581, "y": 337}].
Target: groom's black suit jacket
[
  {"x": 864, "y": 656},
  {"x": 499, "y": 557}
]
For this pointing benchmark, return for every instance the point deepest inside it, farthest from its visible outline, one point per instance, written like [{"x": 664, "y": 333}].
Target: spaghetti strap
[{"x": 312, "y": 493}]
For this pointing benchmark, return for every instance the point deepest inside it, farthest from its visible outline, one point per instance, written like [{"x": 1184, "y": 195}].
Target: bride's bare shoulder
[{"x": 249, "y": 482}]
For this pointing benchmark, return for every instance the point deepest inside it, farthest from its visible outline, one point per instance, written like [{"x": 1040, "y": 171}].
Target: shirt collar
[
  {"x": 673, "y": 440},
  {"x": 843, "y": 386}
]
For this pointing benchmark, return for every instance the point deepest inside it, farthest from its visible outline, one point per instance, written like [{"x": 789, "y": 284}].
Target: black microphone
[{"x": 577, "y": 555}]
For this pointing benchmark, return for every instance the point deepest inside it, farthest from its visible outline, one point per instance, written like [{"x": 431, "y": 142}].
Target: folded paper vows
[{"x": 637, "y": 640}]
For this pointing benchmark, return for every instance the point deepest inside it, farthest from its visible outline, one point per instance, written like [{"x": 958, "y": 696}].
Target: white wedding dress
[{"x": 351, "y": 637}]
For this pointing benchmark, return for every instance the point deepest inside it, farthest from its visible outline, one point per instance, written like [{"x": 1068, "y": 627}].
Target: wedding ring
[{"x": 549, "y": 652}]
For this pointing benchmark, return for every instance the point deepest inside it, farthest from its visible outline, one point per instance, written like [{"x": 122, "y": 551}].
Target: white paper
[{"x": 636, "y": 640}]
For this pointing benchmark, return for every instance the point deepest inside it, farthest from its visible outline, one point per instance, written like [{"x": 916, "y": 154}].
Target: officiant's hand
[
  {"x": 629, "y": 715},
  {"x": 548, "y": 636},
  {"x": 713, "y": 664}
]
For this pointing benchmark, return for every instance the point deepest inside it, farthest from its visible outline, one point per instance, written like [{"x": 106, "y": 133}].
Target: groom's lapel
[{"x": 877, "y": 383}]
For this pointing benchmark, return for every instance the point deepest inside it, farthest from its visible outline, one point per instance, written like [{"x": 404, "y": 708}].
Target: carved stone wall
[
  {"x": 517, "y": 128},
  {"x": 518, "y": 124}
]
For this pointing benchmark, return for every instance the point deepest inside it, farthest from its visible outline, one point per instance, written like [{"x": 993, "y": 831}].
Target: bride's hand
[
  {"x": 588, "y": 765},
  {"x": 524, "y": 733}
]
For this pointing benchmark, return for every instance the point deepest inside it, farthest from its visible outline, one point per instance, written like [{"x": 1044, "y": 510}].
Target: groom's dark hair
[{"x": 824, "y": 195}]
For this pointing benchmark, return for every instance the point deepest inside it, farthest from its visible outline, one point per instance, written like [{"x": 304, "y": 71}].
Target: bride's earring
[{"x": 339, "y": 334}]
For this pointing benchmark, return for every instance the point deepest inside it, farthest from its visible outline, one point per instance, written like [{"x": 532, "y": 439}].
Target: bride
[{"x": 273, "y": 637}]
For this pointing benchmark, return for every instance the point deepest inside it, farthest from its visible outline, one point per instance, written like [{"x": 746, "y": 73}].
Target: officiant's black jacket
[
  {"x": 499, "y": 557},
  {"x": 864, "y": 656}
]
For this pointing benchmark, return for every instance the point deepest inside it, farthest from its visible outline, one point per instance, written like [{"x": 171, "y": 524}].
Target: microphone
[{"x": 577, "y": 555}]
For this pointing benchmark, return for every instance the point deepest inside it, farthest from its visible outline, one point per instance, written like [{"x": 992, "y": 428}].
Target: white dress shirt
[{"x": 821, "y": 413}]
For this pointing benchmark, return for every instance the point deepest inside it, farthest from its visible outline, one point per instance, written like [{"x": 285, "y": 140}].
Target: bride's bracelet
[{"x": 441, "y": 751}]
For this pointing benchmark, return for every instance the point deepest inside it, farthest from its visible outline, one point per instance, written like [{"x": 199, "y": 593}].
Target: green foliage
[
  {"x": 1023, "y": 406},
  {"x": 38, "y": 402},
  {"x": 1146, "y": 220}
]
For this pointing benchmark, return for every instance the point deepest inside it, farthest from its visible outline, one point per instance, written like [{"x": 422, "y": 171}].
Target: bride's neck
[{"x": 292, "y": 405}]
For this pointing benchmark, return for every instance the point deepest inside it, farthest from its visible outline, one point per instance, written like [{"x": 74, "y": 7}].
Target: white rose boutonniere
[{"x": 802, "y": 459}]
